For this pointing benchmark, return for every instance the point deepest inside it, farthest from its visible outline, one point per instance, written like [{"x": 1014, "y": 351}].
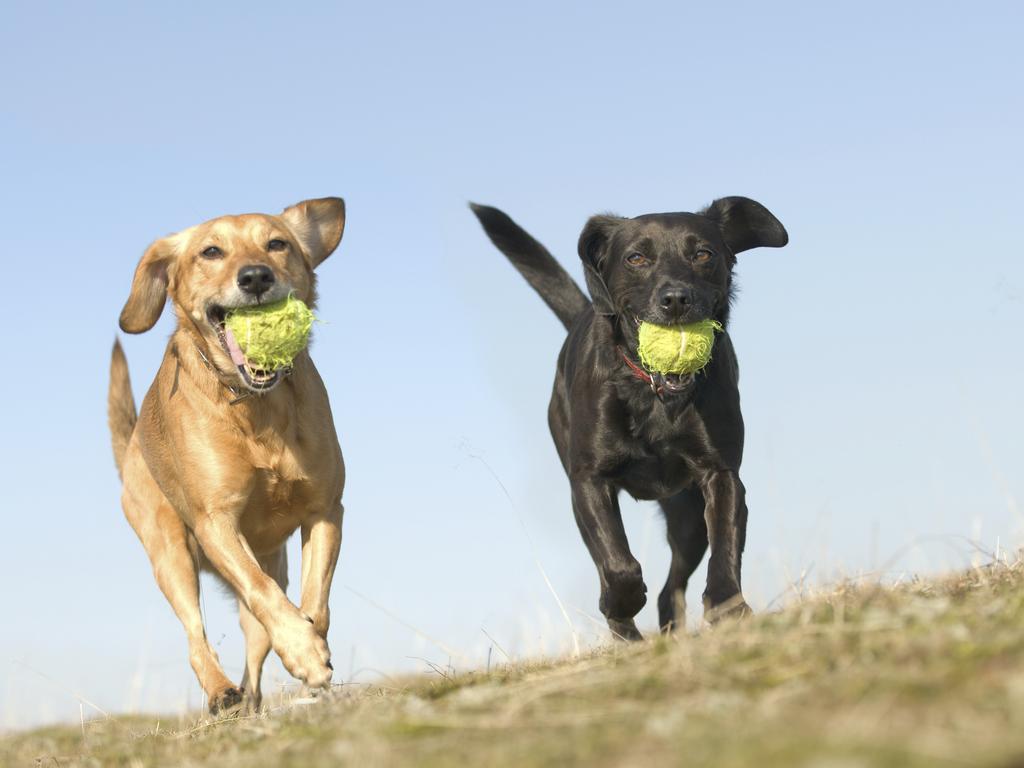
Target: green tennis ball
[
  {"x": 271, "y": 335},
  {"x": 678, "y": 348}
]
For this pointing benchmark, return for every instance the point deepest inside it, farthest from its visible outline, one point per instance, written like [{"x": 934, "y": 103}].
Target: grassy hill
[{"x": 929, "y": 673}]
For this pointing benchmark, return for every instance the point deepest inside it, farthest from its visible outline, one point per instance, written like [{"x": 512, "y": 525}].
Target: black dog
[{"x": 676, "y": 439}]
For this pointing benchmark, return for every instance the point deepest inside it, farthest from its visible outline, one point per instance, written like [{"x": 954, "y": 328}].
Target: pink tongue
[{"x": 237, "y": 357}]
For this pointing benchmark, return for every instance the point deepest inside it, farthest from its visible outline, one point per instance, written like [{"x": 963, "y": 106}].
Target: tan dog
[{"x": 224, "y": 462}]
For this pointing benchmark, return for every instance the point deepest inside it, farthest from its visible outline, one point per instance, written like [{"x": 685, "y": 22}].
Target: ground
[{"x": 925, "y": 673}]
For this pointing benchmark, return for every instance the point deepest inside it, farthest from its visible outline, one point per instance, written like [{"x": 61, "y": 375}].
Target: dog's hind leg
[
  {"x": 257, "y": 641},
  {"x": 688, "y": 538},
  {"x": 175, "y": 567}
]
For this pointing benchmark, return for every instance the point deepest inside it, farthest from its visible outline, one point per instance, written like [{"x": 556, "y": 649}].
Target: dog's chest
[
  {"x": 275, "y": 510},
  {"x": 663, "y": 452},
  {"x": 654, "y": 470},
  {"x": 283, "y": 467},
  {"x": 284, "y": 490}
]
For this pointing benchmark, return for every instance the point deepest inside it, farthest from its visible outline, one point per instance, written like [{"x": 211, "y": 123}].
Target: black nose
[
  {"x": 675, "y": 301},
  {"x": 255, "y": 279}
]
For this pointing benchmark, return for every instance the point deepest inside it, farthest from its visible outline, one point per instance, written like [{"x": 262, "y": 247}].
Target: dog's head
[
  {"x": 230, "y": 262},
  {"x": 672, "y": 268}
]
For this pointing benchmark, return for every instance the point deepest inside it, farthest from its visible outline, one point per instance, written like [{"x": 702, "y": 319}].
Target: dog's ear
[
  {"x": 149, "y": 287},
  {"x": 593, "y": 248},
  {"x": 746, "y": 224},
  {"x": 318, "y": 224}
]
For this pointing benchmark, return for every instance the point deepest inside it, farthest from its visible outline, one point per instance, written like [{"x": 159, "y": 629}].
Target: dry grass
[{"x": 929, "y": 673}]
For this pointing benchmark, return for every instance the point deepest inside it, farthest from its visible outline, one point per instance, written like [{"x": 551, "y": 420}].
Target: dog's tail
[
  {"x": 548, "y": 278},
  {"x": 121, "y": 415}
]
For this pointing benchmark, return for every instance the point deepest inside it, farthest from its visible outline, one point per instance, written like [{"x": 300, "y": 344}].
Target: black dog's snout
[
  {"x": 255, "y": 279},
  {"x": 675, "y": 300}
]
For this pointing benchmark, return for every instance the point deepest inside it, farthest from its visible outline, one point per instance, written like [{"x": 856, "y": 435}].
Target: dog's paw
[
  {"x": 321, "y": 620},
  {"x": 670, "y": 626},
  {"x": 226, "y": 701},
  {"x": 733, "y": 608},
  {"x": 624, "y": 593},
  {"x": 625, "y": 631},
  {"x": 671, "y": 610},
  {"x": 252, "y": 702},
  {"x": 304, "y": 653}
]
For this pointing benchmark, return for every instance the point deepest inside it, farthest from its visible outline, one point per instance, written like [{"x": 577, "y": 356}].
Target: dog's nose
[
  {"x": 255, "y": 279},
  {"x": 675, "y": 301}
]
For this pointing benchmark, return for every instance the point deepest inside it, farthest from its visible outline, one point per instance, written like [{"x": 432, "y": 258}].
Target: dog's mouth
[
  {"x": 256, "y": 379},
  {"x": 672, "y": 382},
  {"x": 669, "y": 382}
]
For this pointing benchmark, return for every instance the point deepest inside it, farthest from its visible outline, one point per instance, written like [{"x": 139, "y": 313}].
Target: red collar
[{"x": 640, "y": 373}]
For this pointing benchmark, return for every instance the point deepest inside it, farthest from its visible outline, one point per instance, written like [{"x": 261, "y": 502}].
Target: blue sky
[{"x": 880, "y": 350}]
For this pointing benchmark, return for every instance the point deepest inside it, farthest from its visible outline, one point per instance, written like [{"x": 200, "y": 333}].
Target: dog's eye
[
  {"x": 276, "y": 245},
  {"x": 702, "y": 256},
  {"x": 213, "y": 252},
  {"x": 636, "y": 259}
]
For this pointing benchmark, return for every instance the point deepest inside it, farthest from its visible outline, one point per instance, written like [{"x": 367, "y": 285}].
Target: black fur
[
  {"x": 681, "y": 445},
  {"x": 532, "y": 259}
]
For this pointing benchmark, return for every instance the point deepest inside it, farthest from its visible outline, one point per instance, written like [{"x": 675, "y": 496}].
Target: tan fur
[
  {"x": 211, "y": 483},
  {"x": 121, "y": 416}
]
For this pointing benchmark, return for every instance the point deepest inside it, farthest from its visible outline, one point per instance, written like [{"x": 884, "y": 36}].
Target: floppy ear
[
  {"x": 318, "y": 224},
  {"x": 149, "y": 288},
  {"x": 593, "y": 248},
  {"x": 746, "y": 224}
]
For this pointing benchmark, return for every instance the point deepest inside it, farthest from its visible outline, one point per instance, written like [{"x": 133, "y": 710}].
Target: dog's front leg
[
  {"x": 321, "y": 542},
  {"x": 726, "y": 514},
  {"x": 302, "y": 650},
  {"x": 595, "y": 503}
]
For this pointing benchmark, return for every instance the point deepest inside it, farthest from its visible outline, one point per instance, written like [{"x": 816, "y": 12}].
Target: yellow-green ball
[
  {"x": 679, "y": 348},
  {"x": 271, "y": 335}
]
